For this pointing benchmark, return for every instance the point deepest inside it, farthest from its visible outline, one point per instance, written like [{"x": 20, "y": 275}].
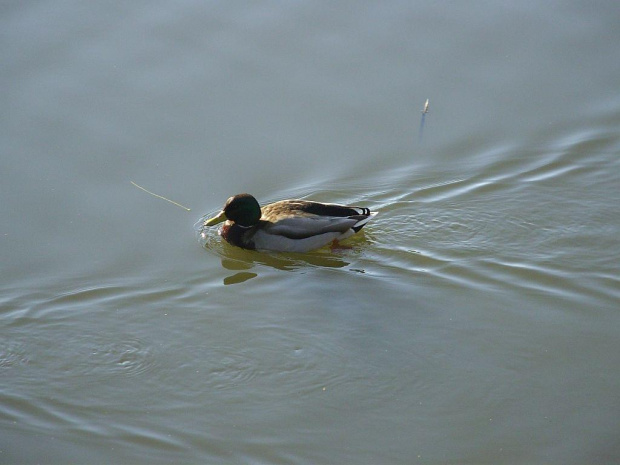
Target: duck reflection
[{"x": 241, "y": 261}]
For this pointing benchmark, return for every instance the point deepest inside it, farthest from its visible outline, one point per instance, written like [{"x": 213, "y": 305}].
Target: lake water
[{"x": 475, "y": 320}]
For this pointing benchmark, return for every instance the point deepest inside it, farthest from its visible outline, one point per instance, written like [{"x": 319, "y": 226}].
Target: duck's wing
[
  {"x": 298, "y": 219},
  {"x": 285, "y": 208},
  {"x": 301, "y": 227}
]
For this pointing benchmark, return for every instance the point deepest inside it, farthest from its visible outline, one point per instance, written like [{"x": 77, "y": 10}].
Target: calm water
[{"x": 476, "y": 320}]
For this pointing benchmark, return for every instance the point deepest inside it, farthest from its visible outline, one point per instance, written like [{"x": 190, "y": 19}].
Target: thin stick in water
[
  {"x": 161, "y": 197},
  {"x": 424, "y": 112}
]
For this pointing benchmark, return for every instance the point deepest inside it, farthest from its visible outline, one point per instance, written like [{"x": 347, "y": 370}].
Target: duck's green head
[{"x": 243, "y": 209}]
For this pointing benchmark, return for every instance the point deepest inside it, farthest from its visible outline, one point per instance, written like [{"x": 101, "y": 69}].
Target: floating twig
[
  {"x": 424, "y": 112},
  {"x": 161, "y": 197}
]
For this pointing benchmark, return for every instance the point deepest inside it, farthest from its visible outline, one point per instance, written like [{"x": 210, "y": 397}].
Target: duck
[{"x": 287, "y": 225}]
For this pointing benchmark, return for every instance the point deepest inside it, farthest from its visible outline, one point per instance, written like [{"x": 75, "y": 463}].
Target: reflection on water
[
  {"x": 239, "y": 277},
  {"x": 236, "y": 259}
]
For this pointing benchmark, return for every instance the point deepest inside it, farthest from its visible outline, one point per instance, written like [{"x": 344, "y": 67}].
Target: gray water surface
[{"x": 475, "y": 319}]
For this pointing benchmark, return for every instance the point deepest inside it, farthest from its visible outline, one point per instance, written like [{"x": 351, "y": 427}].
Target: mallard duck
[{"x": 287, "y": 225}]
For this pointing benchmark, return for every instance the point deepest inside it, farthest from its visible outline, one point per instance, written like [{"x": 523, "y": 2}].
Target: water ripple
[
  {"x": 130, "y": 356},
  {"x": 277, "y": 361},
  {"x": 13, "y": 354},
  {"x": 519, "y": 217}
]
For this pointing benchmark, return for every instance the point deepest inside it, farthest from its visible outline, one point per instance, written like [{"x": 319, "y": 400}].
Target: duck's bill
[{"x": 216, "y": 219}]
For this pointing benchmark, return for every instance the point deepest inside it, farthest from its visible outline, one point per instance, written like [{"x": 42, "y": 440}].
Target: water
[{"x": 474, "y": 321}]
